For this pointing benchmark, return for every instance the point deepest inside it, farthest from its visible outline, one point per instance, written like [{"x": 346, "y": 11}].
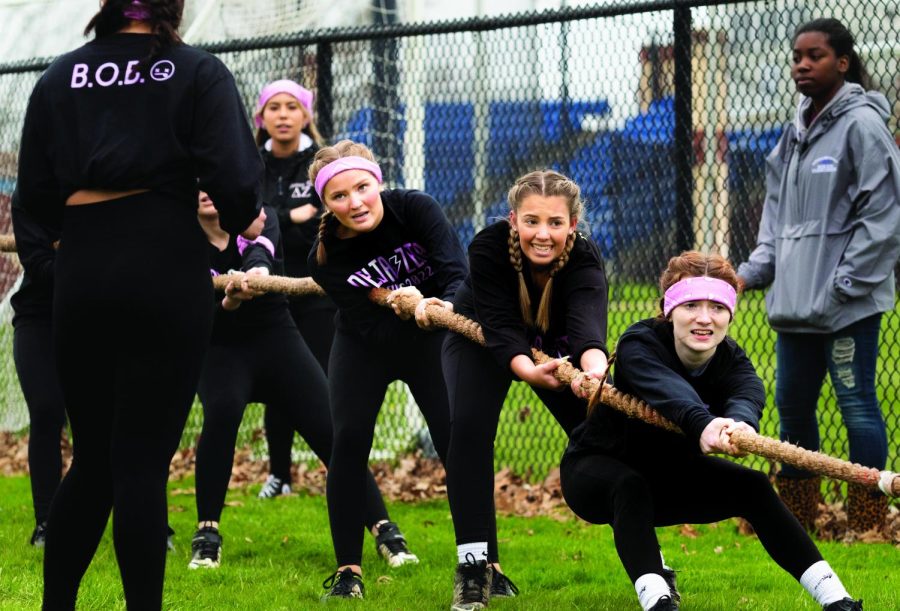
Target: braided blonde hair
[
  {"x": 546, "y": 183},
  {"x": 344, "y": 148}
]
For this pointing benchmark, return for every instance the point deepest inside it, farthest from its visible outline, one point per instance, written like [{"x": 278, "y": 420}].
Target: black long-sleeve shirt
[
  {"x": 490, "y": 295},
  {"x": 34, "y": 244},
  {"x": 94, "y": 123},
  {"x": 269, "y": 309},
  {"x": 413, "y": 245},
  {"x": 287, "y": 186},
  {"x": 648, "y": 368}
]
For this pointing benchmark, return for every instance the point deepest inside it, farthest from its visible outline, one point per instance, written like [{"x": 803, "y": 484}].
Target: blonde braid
[
  {"x": 543, "y": 317},
  {"x": 321, "y": 257},
  {"x": 515, "y": 257}
]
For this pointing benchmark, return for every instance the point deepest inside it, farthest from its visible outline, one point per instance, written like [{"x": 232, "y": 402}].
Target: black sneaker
[
  {"x": 472, "y": 584},
  {"x": 502, "y": 586},
  {"x": 391, "y": 545},
  {"x": 170, "y": 539},
  {"x": 39, "y": 536},
  {"x": 845, "y": 604},
  {"x": 274, "y": 486},
  {"x": 665, "y": 604},
  {"x": 206, "y": 549},
  {"x": 344, "y": 584},
  {"x": 669, "y": 575}
]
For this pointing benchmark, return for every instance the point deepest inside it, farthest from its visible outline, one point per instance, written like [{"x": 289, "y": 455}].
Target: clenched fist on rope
[
  {"x": 395, "y": 298},
  {"x": 716, "y": 437},
  {"x": 240, "y": 290}
]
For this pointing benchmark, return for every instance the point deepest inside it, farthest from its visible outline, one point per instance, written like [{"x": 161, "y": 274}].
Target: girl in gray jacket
[{"x": 828, "y": 241}]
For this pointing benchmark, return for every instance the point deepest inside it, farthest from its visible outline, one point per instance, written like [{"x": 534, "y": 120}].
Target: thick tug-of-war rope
[
  {"x": 270, "y": 284},
  {"x": 753, "y": 443}
]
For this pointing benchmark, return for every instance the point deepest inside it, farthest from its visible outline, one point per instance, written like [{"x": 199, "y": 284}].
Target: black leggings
[
  {"x": 477, "y": 387},
  {"x": 359, "y": 374},
  {"x": 638, "y": 495},
  {"x": 36, "y": 368},
  {"x": 316, "y": 325},
  {"x": 274, "y": 366},
  {"x": 131, "y": 320}
]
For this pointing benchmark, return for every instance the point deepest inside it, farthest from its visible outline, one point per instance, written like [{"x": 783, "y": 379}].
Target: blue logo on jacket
[{"x": 824, "y": 165}]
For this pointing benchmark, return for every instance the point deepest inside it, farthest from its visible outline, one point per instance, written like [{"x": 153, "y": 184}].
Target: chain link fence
[{"x": 663, "y": 111}]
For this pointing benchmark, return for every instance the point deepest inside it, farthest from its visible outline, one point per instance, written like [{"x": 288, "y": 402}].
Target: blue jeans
[{"x": 849, "y": 356}]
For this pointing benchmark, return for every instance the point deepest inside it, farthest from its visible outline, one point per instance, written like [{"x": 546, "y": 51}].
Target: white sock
[
  {"x": 478, "y": 550},
  {"x": 823, "y": 584},
  {"x": 650, "y": 588},
  {"x": 663, "y": 560}
]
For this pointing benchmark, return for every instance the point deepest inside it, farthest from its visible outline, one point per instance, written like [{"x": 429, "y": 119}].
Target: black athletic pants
[
  {"x": 316, "y": 325},
  {"x": 131, "y": 321},
  {"x": 270, "y": 365},
  {"x": 477, "y": 387},
  {"x": 359, "y": 374},
  {"x": 36, "y": 368},
  {"x": 636, "y": 495}
]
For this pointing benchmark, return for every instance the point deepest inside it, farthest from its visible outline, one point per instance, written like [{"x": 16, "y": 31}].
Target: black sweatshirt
[
  {"x": 413, "y": 245},
  {"x": 93, "y": 123},
  {"x": 269, "y": 309},
  {"x": 490, "y": 295},
  {"x": 34, "y": 244},
  {"x": 287, "y": 186},
  {"x": 648, "y": 368}
]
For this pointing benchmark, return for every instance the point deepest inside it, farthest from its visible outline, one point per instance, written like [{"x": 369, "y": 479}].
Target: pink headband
[
  {"x": 137, "y": 11},
  {"x": 342, "y": 165},
  {"x": 698, "y": 289},
  {"x": 303, "y": 95}
]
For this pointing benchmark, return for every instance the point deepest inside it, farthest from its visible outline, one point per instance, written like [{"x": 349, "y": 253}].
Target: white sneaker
[
  {"x": 391, "y": 545},
  {"x": 273, "y": 487},
  {"x": 206, "y": 549}
]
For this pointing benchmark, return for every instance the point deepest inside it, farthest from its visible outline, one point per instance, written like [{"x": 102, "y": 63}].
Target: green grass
[{"x": 277, "y": 553}]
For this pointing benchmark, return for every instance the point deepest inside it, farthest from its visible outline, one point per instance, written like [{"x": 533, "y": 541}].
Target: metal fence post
[
  {"x": 324, "y": 97},
  {"x": 683, "y": 146},
  {"x": 385, "y": 100}
]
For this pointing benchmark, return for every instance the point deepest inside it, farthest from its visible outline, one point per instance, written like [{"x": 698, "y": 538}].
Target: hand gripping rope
[
  {"x": 268, "y": 284},
  {"x": 886, "y": 481}
]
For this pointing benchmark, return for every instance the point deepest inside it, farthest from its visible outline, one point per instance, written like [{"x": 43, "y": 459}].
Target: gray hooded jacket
[{"x": 830, "y": 230}]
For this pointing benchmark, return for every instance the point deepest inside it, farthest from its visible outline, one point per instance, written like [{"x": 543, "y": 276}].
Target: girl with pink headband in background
[
  {"x": 397, "y": 239},
  {"x": 634, "y": 476},
  {"x": 288, "y": 141}
]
